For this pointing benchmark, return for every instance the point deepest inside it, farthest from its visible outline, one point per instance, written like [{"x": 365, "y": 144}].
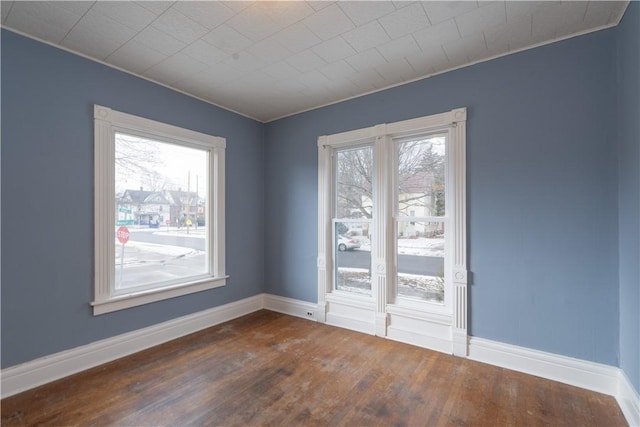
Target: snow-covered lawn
[
  {"x": 426, "y": 288},
  {"x": 139, "y": 253},
  {"x": 421, "y": 246}
]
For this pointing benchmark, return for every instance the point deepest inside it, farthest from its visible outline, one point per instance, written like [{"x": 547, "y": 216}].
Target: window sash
[{"x": 107, "y": 123}]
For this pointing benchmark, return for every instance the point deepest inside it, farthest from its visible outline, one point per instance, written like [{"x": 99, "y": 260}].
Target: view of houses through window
[
  {"x": 419, "y": 217},
  {"x": 161, "y": 211}
]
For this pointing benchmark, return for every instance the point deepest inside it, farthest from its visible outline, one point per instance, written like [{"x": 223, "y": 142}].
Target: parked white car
[{"x": 347, "y": 243}]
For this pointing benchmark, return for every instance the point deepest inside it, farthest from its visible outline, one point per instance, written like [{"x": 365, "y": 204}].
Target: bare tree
[
  {"x": 137, "y": 158},
  {"x": 420, "y": 178}
]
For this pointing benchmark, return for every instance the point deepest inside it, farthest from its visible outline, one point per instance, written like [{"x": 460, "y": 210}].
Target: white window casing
[
  {"x": 106, "y": 123},
  {"x": 439, "y": 326}
]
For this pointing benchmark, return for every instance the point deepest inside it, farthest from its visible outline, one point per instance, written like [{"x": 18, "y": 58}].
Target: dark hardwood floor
[{"x": 271, "y": 369}]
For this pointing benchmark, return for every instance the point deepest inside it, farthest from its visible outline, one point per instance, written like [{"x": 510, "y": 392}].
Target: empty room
[{"x": 324, "y": 213}]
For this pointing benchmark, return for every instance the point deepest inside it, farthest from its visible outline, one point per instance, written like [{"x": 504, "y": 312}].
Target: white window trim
[
  {"x": 453, "y": 314},
  {"x": 106, "y": 123}
]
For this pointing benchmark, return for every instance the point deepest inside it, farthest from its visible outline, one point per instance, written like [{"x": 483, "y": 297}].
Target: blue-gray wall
[
  {"x": 47, "y": 197},
  {"x": 552, "y": 179},
  {"x": 542, "y": 192},
  {"x": 629, "y": 191}
]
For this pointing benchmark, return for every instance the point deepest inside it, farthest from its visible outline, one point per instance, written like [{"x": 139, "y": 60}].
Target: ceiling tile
[
  {"x": 126, "y": 13},
  {"x": 76, "y": 7},
  {"x": 254, "y": 24},
  {"x": 179, "y": 26},
  {"x": 361, "y": 12},
  {"x": 160, "y": 41},
  {"x": 313, "y": 78},
  {"x": 237, "y": 6},
  {"x": 548, "y": 21},
  {"x": 598, "y": 13},
  {"x": 205, "y": 53},
  {"x": 368, "y": 80},
  {"x": 366, "y": 60},
  {"x": 269, "y": 51},
  {"x": 459, "y": 51},
  {"x": 97, "y": 35},
  {"x": 516, "y": 32},
  {"x": 482, "y": 18},
  {"x": 285, "y": 13},
  {"x": 281, "y": 70},
  {"x": 243, "y": 55},
  {"x": 337, "y": 70},
  {"x": 367, "y": 36},
  {"x": 209, "y": 14},
  {"x": 177, "y": 67},
  {"x": 438, "y": 34},
  {"x": 297, "y": 38},
  {"x": 318, "y": 5},
  {"x": 136, "y": 57},
  {"x": 5, "y": 7},
  {"x": 423, "y": 64},
  {"x": 45, "y": 20},
  {"x": 329, "y": 22},
  {"x": 306, "y": 61},
  {"x": 227, "y": 39},
  {"x": 404, "y": 21},
  {"x": 244, "y": 63},
  {"x": 396, "y": 71},
  {"x": 334, "y": 49},
  {"x": 155, "y": 7},
  {"x": 399, "y": 48},
  {"x": 520, "y": 9},
  {"x": 439, "y": 11}
]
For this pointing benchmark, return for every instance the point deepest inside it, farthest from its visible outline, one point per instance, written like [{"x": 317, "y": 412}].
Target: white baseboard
[
  {"x": 580, "y": 373},
  {"x": 291, "y": 306},
  {"x": 576, "y": 372},
  {"x": 589, "y": 375},
  {"x": 629, "y": 400},
  {"x": 43, "y": 370}
]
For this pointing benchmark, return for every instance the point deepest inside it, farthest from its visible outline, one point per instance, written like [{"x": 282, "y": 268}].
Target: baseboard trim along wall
[
  {"x": 43, "y": 370},
  {"x": 589, "y": 375}
]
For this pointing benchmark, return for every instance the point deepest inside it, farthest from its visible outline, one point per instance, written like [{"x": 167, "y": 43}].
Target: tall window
[
  {"x": 159, "y": 211},
  {"x": 353, "y": 217},
  {"x": 420, "y": 220},
  {"x": 392, "y": 230}
]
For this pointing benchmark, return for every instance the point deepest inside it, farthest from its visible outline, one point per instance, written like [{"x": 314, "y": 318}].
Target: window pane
[
  {"x": 354, "y": 184},
  {"x": 353, "y": 257},
  {"x": 161, "y": 205},
  {"x": 420, "y": 247},
  {"x": 421, "y": 177}
]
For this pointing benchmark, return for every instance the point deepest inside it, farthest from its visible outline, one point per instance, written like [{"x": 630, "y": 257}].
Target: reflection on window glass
[
  {"x": 160, "y": 212},
  {"x": 421, "y": 177},
  {"x": 420, "y": 249}
]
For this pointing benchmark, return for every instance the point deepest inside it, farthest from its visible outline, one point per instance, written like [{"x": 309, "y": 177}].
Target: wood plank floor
[{"x": 271, "y": 369}]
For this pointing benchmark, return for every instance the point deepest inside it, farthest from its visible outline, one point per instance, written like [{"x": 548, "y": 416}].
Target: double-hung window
[
  {"x": 159, "y": 211},
  {"x": 392, "y": 230}
]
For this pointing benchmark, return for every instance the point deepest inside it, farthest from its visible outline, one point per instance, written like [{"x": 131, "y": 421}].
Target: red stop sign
[{"x": 123, "y": 234}]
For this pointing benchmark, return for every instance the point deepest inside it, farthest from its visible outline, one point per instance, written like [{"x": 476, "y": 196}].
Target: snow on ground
[
  {"x": 144, "y": 253},
  {"x": 420, "y": 246},
  {"x": 425, "y": 288},
  {"x": 200, "y": 233}
]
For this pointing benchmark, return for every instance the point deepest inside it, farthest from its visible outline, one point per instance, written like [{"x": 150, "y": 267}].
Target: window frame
[
  {"x": 107, "y": 123},
  {"x": 445, "y": 325}
]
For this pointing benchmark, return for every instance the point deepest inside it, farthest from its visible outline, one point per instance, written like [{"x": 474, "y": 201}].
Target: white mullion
[
  {"x": 380, "y": 242},
  {"x": 325, "y": 231}
]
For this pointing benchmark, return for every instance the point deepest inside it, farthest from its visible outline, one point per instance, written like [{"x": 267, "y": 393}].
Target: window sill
[{"x": 144, "y": 297}]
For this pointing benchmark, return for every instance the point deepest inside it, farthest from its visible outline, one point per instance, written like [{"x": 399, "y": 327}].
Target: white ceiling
[{"x": 267, "y": 59}]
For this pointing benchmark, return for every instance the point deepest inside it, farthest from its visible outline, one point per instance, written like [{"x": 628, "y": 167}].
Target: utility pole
[{"x": 188, "y": 220}]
